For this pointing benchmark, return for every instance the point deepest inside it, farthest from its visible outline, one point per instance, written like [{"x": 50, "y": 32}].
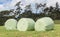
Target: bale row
[{"x": 27, "y": 24}]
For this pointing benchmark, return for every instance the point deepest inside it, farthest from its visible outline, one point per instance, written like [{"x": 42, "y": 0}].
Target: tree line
[{"x": 53, "y": 12}]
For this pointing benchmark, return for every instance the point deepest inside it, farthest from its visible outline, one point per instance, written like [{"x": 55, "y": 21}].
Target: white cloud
[
  {"x": 14, "y": 2},
  {"x": 2, "y": 7},
  {"x": 52, "y": 2},
  {"x": 11, "y": 4}
]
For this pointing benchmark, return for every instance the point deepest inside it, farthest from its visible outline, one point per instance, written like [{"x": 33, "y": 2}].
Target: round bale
[
  {"x": 44, "y": 24},
  {"x": 11, "y": 24},
  {"x": 25, "y": 24}
]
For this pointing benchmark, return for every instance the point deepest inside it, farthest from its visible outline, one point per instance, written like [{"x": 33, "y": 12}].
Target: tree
[
  {"x": 3, "y": 18},
  {"x": 17, "y": 12}
]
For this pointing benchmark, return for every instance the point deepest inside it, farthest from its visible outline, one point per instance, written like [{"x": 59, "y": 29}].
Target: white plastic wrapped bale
[
  {"x": 11, "y": 24},
  {"x": 25, "y": 24},
  {"x": 44, "y": 24}
]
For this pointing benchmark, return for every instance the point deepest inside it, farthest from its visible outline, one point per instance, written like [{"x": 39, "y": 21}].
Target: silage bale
[
  {"x": 25, "y": 24},
  {"x": 11, "y": 24},
  {"x": 44, "y": 24}
]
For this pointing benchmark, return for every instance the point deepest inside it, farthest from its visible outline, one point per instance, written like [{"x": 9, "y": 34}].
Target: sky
[{"x": 9, "y": 4}]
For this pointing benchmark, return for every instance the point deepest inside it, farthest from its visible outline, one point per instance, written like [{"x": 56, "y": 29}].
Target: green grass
[
  {"x": 57, "y": 21},
  {"x": 53, "y": 33}
]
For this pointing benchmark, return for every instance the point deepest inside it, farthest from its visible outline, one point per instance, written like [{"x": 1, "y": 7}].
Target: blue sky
[
  {"x": 9, "y": 4},
  {"x": 5, "y": 1}
]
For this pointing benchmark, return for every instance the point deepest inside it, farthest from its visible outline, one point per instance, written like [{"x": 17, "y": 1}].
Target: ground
[{"x": 16, "y": 33}]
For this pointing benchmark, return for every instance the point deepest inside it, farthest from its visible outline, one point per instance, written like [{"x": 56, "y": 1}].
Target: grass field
[{"x": 53, "y": 33}]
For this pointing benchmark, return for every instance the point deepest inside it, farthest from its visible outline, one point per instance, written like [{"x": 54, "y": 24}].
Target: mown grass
[
  {"x": 57, "y": 21},
  {"x": 16, "y": 33}
]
